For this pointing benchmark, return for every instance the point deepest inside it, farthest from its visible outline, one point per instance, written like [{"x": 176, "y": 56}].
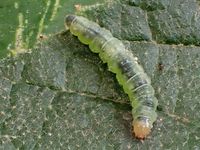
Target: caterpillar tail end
[{"x": 141, "y": 128}]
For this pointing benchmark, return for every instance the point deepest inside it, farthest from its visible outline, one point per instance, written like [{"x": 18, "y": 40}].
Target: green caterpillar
[{"x": 120, "y": 61}]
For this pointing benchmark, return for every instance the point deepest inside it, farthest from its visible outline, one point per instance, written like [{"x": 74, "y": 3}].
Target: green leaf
[
  {"x": 23, "y": 23},
  {"x": 61, "y": 95}
]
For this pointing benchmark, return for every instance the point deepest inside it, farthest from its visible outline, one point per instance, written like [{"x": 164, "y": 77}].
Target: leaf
[
  {"x": 23, "y": 23},
  {"x": 61, "y": 95}
]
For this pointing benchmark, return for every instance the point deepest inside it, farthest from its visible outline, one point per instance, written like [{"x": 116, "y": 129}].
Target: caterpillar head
[
  {"x": 69, "y": 19},
  {"x": 141, "y": 128}
]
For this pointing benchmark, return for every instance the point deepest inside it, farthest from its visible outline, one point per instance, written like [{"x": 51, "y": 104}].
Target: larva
[{"x": 128, "y": 72}]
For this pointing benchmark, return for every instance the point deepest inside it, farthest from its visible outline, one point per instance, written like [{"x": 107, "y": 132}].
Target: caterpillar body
[{"x": 128, "y": 72}]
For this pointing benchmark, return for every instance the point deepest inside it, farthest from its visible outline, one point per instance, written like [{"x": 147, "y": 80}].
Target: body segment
[{"x": 128, "y": 72}]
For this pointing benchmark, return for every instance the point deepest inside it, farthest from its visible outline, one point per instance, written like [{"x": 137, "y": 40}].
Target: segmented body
[{"x": 120, "y": 61}]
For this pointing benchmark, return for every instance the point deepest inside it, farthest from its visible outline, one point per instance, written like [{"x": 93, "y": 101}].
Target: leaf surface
[{"x": 61, "y": 95}]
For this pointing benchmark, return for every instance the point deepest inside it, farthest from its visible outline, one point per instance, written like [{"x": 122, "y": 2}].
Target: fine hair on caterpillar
[{"x": 129, "y": 73}]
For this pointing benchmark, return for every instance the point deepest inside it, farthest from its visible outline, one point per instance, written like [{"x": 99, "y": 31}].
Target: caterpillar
[{"x": 129, "y": 73}]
